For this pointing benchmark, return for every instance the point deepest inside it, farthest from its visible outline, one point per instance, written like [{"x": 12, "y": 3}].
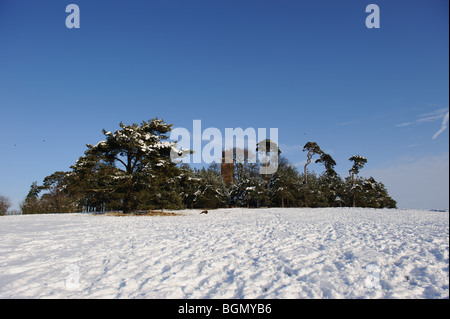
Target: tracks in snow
[{"x": 267, "y": 253}]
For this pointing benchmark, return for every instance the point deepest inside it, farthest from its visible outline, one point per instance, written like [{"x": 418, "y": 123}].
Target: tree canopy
[{"x": 131, "y": 169}]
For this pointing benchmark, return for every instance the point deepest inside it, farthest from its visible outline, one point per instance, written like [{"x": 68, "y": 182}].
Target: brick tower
[{"x": 227, "y": 171}]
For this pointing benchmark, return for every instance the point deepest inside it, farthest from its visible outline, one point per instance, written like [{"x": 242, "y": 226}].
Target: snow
[{"x": 228, "y": 253}]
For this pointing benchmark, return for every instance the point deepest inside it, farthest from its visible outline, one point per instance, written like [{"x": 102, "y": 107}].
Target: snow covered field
[{"x": 228, "y": 253}]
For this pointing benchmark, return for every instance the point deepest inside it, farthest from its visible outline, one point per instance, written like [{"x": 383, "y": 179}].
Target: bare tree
[{"x": 5, "y": 204}]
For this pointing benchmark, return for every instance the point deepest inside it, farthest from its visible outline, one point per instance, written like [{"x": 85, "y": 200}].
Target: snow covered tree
[
  {"x": 93, "y": 183},
  {"x": 160, "y": 190},
  {"x": 374, "y": 194},
  {"x": 244, "y": 162},
  {"x": 134, "y": 155},
  {"x": 211, "y": 191},
  {"x": 285, "y": 185},
  {"x": 251, "y": 191},
  {"x": 268, "y": 147},
  {"x": 312, "y": 149},
  {"x": 133, "y": 169},
  {"x": 330, "y": 187},
  {"x": 330, "y": 182},
  {"x": 256, "y": 192},
  {"x": 358, "y": 163},
  {"x": 311, "y": 194},
  {"x": 328, "y": 162},
  {"x": 189, "y": 185}
]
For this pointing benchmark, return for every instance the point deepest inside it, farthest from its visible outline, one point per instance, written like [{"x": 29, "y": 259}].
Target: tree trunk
[
  {"x": 309, "y": 156},
  {"x": 306, "y": 174},
  {"x": 266, "y": 163},
  {"x": 354, "y": 193},
  {"x": 127, "y": 203}
]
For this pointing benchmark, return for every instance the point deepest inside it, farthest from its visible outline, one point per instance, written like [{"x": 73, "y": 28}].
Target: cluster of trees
[{"x": 132, "y": 170}]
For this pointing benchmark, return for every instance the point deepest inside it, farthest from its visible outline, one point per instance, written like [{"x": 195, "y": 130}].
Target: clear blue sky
[{"x": 312, "y": 69}]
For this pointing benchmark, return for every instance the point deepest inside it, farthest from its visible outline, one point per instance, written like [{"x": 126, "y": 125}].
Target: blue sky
[{"x": 312, "y": 69}]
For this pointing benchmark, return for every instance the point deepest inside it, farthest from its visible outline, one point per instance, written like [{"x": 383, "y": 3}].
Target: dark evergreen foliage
[{"x": 132, "y": 170}]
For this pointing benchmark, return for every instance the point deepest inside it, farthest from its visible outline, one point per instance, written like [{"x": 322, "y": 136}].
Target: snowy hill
[{"x": 228, "y": 253}]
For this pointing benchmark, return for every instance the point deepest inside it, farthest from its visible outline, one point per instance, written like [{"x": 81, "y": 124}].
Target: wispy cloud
[
  {"x": 433, "y": 116},
  {"x": 404, "y": 124},
  {"x": 436, "y": 115},
  {"x": 443, "y": 127}
]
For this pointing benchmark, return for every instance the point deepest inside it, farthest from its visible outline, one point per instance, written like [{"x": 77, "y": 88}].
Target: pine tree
[
  {"x": 211, "y": 191},
  {"x": 374, "y": 194},
  {"x": 285, "y": 185},
  {"x": 189, "y": 185},
  {"x": 358, "y": 163},
  {"x": 135, "y": 155},
  {"x": 132, "y": 169},
  {"x": 268, "y": 147},
  {"x": 328, "y": 162},
  {"x": 330, "y": 187},
  {"x": 312, "y": 149},
  {"x": 329, "y": 182}
]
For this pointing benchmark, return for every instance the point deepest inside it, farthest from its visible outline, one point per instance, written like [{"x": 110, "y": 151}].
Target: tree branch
[
  {"x": 118, "y": 159},
  {"x": 134, "y": 165}
]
